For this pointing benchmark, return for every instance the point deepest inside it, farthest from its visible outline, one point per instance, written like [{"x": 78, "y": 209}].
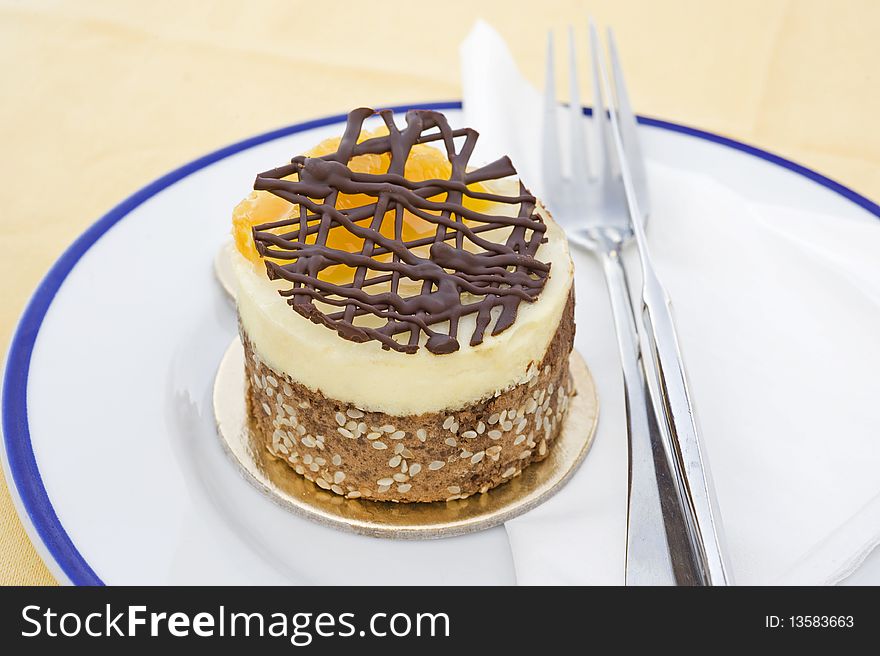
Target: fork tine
[
  {"x": 628, "y": 128},
  {"x": 578, "y": 154},
  {"x": 550, "y": 157},
  {"x": 603, "y": 128}
]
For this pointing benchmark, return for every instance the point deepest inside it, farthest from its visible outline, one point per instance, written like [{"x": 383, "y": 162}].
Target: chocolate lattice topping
[{"x": 400, "y": 289}]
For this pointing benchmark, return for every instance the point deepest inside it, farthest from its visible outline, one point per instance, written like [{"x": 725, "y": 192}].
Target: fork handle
[
  {"x": 648, "y": 560},
  {"x": 669, "y": 388}
]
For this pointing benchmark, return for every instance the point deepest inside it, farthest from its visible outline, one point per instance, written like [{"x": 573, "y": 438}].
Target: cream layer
[{"x": 376, "y": 380}]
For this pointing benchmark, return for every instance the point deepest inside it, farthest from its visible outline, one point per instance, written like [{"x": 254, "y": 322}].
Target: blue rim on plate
[{"x": 19, "y": 451}]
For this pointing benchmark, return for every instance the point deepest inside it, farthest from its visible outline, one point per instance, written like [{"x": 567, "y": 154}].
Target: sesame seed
[
  {"x": 400, "y": 478},
  {"x": 336, "y": 460},
  {"x": 454, "y": 427},
  {"x": 493, "y": 450},
  {"x": 404, "y": 487},
  {"x": 397, "y": 435},
  {"x": 345, "y": 433},
  {"x": 494, "y": 434},
  {"x": 469, "y": 434},
  {"x": 531, "y": 406},
  {"x": 385, "y": 482},
  {"x": 406, "y": 453},
  {"x": 379, "y": 445},
  {"x": 305, "y": 404},
  {"x": 454, "y": 489},
  {"x": 477, "y": 457},
  {"x": 288, "y": 390},
  {"x": 506, "y": 426},
  {"x": 481, "y": 428},
  {"x": 374, "y": 436},
  {"x": 414, "y": 469},
  {"x": 448, "y": 422},
  {"x": 519, "y": 440},
  {"x": 521, "y": 424},
  {"x": 388, "y": 428},
  {"x": 353, "y": 495},
  {"x": 267, "y": 409},
  {"x": 300, "y": 470},
  {"x": 465, "y": 454},
  {"x": 314, "y": 466},
  {"x": 395, "y": 461},
  {"x": 436, "y": 464},
  {"x": 510, "y": 471},
  {"x": 352, "y": 426},
  {"x": 270, "y": 391},
  {"x": 340, "y": 419},
  {"x": 451, "y": 441},
  {"x": 398, "y": 448},
  {"x": 307, "y": 459},
  {"x": 421, "y": 434},
  {"x": 309, "y": 441},
  {"x": 337, "y": 489},
  {"x": 542, "y": 448},
  {"x": 272, "y": 381},
  {"x": 524, "y": 455},
  {"x": 300, "y": 430},
  {"x": 354, "y": 413},
  {"x": 338, "y": 477},
  {"x": 494, "y": 419},
  {"x": 383, "y": 488}
]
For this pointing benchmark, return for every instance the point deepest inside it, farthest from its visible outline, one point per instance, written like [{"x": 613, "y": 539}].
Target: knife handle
[{"x": 667, "y": 382}]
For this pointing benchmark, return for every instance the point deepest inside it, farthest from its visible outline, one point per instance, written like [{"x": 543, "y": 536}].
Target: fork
[
  {"x": 661, "y": 354},
  {"x": 590, "y": 205},
  {"x": 616, "y": 202}
]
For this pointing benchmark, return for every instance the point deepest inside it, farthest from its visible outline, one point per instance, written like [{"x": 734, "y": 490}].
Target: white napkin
[{"x": 779, "y": 316}]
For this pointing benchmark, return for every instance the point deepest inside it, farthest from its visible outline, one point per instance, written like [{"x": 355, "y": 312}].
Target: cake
[{"x": 406, "y": 316}]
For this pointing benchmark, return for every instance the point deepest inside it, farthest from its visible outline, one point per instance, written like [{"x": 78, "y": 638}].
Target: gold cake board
[{"x": 537, "y": 483}]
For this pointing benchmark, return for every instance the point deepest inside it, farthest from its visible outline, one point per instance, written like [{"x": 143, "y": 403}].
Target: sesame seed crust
[{"x": 415, "y": 458}]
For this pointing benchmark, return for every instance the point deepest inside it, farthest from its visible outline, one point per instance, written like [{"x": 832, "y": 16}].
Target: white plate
[{"x": 110, "y": 448}]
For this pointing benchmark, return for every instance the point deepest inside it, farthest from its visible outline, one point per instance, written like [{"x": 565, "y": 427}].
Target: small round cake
[{"x": 407, "y": 317}]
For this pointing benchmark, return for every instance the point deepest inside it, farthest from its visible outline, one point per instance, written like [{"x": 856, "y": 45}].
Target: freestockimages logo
[{"x": 299, "y": 628}]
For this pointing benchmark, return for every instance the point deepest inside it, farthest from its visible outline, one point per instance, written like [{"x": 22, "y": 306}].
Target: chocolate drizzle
[{"x": 458, "y": 271}]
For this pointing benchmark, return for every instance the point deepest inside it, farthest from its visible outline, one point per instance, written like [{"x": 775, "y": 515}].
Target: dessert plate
[{"x": 110, "y": 447}]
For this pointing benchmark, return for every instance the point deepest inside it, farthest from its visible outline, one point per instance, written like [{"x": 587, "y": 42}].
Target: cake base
[{"x": 537, "y": 482}]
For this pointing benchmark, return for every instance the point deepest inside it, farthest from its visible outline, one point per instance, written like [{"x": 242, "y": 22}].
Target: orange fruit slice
[{"x": 424, "y": 163}]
